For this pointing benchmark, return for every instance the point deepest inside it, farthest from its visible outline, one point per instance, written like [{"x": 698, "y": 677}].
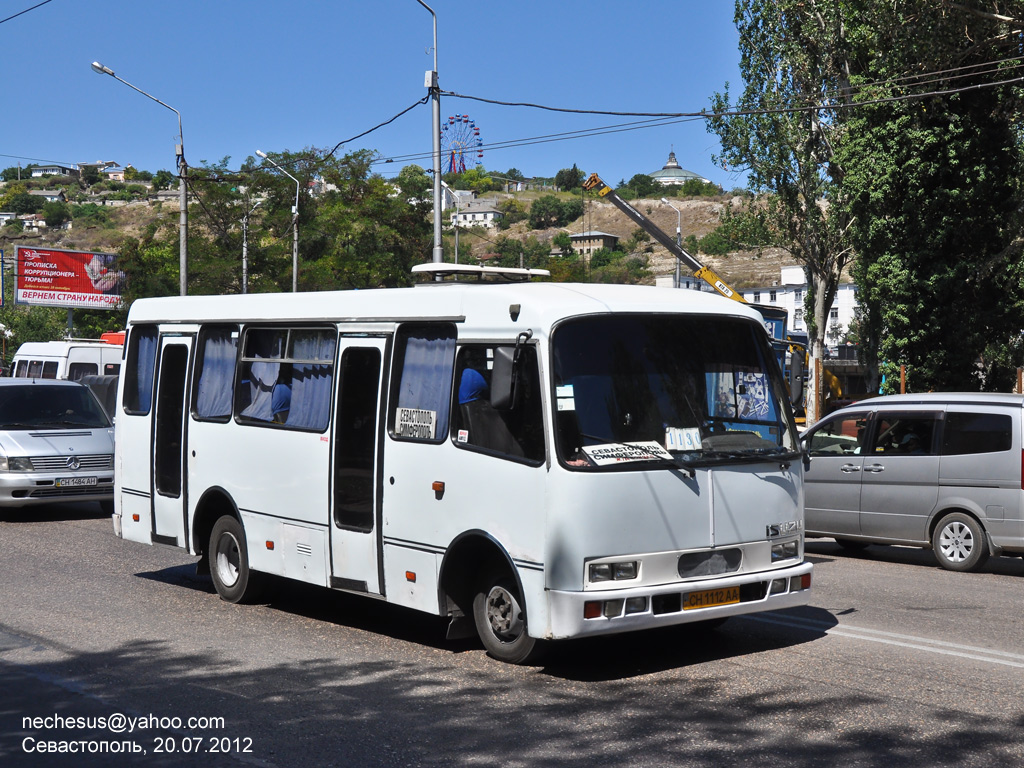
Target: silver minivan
[
  {"x": 56, "y": 444},
  {"x": 938, "y": 470}
]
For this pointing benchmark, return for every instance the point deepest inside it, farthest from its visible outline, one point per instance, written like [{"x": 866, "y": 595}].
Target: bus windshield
[{"x": 636, "y": 389}]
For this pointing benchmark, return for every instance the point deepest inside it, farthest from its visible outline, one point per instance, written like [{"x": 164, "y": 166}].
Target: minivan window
[
  {"x": 906, "y": 434},
  {"x": 840, "y": 436},
  {"x": 977, "y": 433}
]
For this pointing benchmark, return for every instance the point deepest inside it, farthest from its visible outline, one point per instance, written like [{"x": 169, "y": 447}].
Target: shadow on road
[
  {"x": 605, "y": 658},
  {"x": 50, "y": 513},
  {"x": 821, "y": 550}
]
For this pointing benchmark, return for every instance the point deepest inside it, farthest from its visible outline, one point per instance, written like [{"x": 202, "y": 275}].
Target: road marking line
[{"x": 904, "y": 641}]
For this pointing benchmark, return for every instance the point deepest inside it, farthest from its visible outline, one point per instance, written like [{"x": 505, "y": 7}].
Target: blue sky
[{"x": 257, "y": 74}]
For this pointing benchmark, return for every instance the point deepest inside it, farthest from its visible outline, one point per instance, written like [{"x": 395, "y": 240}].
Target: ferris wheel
[{"x": 461, "y": 145}]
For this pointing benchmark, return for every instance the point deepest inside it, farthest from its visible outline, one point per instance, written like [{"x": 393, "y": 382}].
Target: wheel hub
[{"x": 504, "y": 614}]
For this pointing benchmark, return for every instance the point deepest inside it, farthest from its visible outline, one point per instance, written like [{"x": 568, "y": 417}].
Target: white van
[{"x": 71, "y": 359}]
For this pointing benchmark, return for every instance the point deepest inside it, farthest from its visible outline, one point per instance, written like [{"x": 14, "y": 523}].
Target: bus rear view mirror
[
  {"x": 796, "y": 376},
  {"x": 503, "y": 378}
]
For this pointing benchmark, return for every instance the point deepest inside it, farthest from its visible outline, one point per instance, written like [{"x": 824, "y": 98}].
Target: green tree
[
  {"x": 568, "y": 179},
  {"x": 933, "y": 190},
  {"x": 545, "y": 212},
  {"x": 792, "y": 54},
  {"x": 642, "y": 185},
  {"x": 91, "y": 215},
  {"x": 513, "y": 211},
  {"x": 91, "y": 175},
  {"x": 563, "y": 242},
  {"x": 56, "y": 213},
  {"x": 10, "y": 174},
  {"x": 164, "y": 179}
]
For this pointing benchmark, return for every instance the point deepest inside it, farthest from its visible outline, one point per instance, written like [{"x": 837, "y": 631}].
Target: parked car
[
  {"x": 938, "y": 470},
  {"x": 56, "y": 444}
]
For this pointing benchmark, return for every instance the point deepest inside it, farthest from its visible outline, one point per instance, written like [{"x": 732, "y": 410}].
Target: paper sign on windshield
[{"x": 616, "y": 453}]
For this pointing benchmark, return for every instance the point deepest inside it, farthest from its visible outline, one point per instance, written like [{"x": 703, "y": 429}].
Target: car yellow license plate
[{"x": 708, "y": 598}]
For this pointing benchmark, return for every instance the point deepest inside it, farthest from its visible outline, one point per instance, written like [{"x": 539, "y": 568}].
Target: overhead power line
[{"x": 22, "y": 13}]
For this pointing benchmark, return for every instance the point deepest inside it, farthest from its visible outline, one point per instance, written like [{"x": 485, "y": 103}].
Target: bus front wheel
[
  {"x": 501, "y": 621},
  {"x": 229, "y": 562}
]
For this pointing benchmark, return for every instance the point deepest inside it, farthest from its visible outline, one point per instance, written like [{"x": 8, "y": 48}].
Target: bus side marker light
[
  {"x": 410, "y": 576},
  {"x": 135, "y": 518},
  {"x": 438, "y": 488},
  {"x": 270, "y": 546}
]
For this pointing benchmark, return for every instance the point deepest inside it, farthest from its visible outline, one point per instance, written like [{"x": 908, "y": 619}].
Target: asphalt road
[{"x": 896, "y": 662}]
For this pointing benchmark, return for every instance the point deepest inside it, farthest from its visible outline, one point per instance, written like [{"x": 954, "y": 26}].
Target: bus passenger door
[
  {"x": 169, "y": 497},
  {"x": 356, "y": 476}
]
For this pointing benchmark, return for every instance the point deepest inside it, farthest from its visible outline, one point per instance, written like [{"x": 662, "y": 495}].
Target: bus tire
[
  {"x": 229, "y": 562},
  {"x": 501, "y": 621}
]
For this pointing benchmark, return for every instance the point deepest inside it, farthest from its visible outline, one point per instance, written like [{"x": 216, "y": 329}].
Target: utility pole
[{"x": 431, "y": 83}]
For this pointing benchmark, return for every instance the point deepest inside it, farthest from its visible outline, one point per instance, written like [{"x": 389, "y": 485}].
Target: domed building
[{"x": 672, "y": 175}]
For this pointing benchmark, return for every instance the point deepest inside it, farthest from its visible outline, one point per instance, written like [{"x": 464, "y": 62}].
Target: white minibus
[
  {"x": 536, "y": 461},
  {"x": 70, "y": 359}
]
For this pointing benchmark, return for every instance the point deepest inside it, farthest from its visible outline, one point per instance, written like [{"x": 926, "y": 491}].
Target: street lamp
[
  {"x": 179, "y": 152},
  {"x": 435, "y": 96},
  {"x": 679, "y": 236},
  {"x": 295, "y": 222}
]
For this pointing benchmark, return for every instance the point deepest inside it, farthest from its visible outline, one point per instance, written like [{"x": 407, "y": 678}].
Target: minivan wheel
[{"x": 959, "y": 543}]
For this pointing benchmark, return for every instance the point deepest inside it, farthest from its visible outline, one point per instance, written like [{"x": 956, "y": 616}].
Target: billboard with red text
[{"x": 51, "y": 277}]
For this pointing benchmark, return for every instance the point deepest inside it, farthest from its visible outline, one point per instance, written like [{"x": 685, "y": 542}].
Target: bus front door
[
  {"x": 169, "y": 498},
  {"x": 356, "y": 475}
]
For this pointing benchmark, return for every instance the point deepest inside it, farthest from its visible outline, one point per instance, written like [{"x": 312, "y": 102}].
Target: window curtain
[
  {"x": 262, "y": 378},
  {"x": 311, "y": 382},
  {"x": 427, "y": 374},
  {"x": 213, "y": 396},
  {"x": 144, "y": 370}
]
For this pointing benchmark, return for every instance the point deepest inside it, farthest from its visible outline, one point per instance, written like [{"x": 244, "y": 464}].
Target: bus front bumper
[{"x": 582, "y": 614}]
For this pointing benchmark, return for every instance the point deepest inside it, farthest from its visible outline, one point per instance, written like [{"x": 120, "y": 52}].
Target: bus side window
[
  {"x": 285, "y": 377},
  {"x": 422, "y": 383},
  {"x": 141, "y": 369},
  {"x": 516, "y": 431},
  {"x": 215, "y": 372}
]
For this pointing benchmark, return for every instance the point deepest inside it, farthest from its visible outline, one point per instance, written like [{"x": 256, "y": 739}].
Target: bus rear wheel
[
  {"x": 229, "y": 562},
  {"x": 501, "y": 621}
]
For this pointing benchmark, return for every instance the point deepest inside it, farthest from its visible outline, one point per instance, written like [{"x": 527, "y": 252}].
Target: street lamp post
[
  {"x": 179, "y": 152},
  {"x": 245, "y": 247},
  {"x": 435, "y": 96},
  {"x": 679, "y": 237},
  {"x": 295, "y": 222}
]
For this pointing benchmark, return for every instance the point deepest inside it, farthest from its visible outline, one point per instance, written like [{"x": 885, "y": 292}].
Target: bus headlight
[
  {"x": 785, "y": 551},
  {"x": 624, "y": 571}
]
